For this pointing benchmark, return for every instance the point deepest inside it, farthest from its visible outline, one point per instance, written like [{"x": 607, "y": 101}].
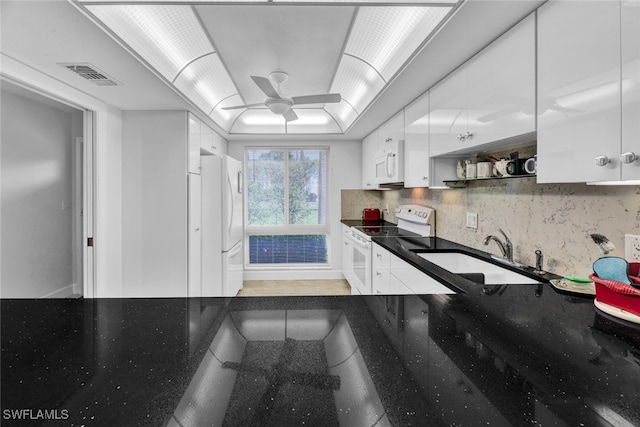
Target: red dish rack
[{"x": 618, "y": 294}]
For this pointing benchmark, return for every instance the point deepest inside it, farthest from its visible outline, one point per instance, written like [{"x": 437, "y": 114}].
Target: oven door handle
[{"x": 360, "y": 243}]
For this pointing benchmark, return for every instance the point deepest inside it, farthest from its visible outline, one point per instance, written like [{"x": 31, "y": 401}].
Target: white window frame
[{"x": 287, "y": 229}]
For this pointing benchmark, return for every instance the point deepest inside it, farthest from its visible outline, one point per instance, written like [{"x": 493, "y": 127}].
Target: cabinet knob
[
  {"x": 628, "y": 157},
  {"x": 460, "y": 137},
  {"x": 602, "y": 161},
  {"x": 378, "y": 273},
  {"x": 468, "y": 135},
  {"x": 425, "y": 178}
]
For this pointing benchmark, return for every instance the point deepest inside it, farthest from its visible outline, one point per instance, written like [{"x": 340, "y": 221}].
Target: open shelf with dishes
[
  {"x": 504, "y": 163},
  {"x": 462, "y": 183}
]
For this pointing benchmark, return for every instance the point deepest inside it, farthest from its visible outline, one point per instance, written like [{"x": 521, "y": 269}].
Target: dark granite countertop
[
  {"x": 509, "y": 357},
  {"x": 498, "y": 355},
  {"x": 361, "y": 223}
]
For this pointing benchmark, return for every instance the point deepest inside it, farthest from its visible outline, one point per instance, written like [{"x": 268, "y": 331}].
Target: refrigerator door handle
[
  {"x": 240, "y": 182},
  {"x": 231, "y": 207}
]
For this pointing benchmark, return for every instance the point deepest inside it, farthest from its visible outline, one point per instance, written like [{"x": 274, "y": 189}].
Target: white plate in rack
[{"x": 617, "y": 312}]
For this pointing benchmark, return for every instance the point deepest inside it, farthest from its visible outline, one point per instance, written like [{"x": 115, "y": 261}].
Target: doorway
[{"x": 44, "y": 195}]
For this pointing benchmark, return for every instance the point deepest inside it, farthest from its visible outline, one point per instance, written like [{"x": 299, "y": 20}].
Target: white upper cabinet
[
  {"x": 369, "y": 149},
  {"x": 489, "y": 98},
  {"x": 193, "y": 159},
  {"x": 416, "y": 143},
  {"x": 448, "y": 113},
  {"x": 630, "y": 15},
  {"x": 588, "y": 114},
  {"x": 203, "y": 141},
  {"x": 211, "y": 142},
  {"x": 391, "y": 132},
  {"x": 502, "y": 86}
]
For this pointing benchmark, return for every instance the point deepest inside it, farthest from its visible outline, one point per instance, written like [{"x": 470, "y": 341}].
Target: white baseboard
[
  {"x": 293, "y": 275},
  {"x": 63, "y": 292}
]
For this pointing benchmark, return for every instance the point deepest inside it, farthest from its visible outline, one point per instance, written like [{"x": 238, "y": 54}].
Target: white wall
[
  {"x": 154, "y": 204},
  {"x": 344, "y": 173},
  {"x": 37, "y": 193}
]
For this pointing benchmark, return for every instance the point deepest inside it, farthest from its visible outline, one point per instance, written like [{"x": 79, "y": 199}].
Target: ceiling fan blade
[
  {"x": 317, "y": 99},
  {"x": 265, "y": 85},
  {"x": 290, "y": 115},
  {"x": 235, "y": 107}
]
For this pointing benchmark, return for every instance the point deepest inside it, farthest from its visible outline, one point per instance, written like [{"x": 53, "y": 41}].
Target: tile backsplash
[{"x": 555, "y": 218}]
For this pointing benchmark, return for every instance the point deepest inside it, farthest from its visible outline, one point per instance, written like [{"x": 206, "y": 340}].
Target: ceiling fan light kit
[{"x": 280, "y": 104}]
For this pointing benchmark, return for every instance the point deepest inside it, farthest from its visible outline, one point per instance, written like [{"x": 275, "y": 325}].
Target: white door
[
  {"x": 232, "y": 213},
  {"x": 194, "y": 277}
]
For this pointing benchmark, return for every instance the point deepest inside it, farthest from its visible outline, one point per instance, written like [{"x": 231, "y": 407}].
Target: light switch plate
[
  {"x": 632, "y": 247},
  {"x": 472, "y": 220}
]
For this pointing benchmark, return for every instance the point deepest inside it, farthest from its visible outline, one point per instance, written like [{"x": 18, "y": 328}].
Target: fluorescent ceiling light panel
[
  {"x": 386, "y": 37},
  {"x": 343, "y": 113},
  {"x": 205, "y": 82},
  {"x": 403, "y": 2},
  {"x": 357, "y": 82},
  {"x": 259, "y": 121},
  {"x": 225, "y": 118},
  {"x": 167, "y": 37}
]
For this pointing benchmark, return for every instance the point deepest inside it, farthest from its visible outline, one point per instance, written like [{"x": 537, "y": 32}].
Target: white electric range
[{"x": 413, "y": 220}]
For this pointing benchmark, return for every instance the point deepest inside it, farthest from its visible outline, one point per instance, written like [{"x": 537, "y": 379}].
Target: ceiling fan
[{"x": 278, "y": 103}]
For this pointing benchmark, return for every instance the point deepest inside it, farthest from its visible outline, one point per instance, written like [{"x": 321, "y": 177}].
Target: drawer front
[{"x": 414, "y": 279}]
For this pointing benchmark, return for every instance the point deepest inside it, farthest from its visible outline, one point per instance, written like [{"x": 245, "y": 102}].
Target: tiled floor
[{"x": 294, "y": 287}]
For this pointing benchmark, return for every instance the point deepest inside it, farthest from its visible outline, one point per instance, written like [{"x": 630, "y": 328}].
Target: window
[{"x": 287, "y": 206}]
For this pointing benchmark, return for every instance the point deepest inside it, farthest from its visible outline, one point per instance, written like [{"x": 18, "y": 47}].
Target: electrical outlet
[
  {"x": 472, "y": 220},
  {"x": 632, "y": 247}
]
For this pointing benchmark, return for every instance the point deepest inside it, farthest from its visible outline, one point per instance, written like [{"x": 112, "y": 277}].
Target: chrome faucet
[{"x": 505, "y": 247}]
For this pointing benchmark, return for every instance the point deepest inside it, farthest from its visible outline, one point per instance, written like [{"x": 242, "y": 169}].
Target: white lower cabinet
[
  {"x": 415, "y": 280},
  {"x": 347, "y": 255},
  {"x": 380, "y": 264},
  {"x": 391, "y": 275}
]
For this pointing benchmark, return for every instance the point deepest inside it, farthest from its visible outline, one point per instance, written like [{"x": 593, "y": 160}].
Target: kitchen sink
[{"x": 460, "y": 263}]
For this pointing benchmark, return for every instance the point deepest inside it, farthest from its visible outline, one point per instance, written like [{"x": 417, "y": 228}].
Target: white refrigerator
[{"x": 222, "y": 226}]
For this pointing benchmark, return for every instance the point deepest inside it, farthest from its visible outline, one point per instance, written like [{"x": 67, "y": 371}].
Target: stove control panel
[{"x": 415, "y": 213}]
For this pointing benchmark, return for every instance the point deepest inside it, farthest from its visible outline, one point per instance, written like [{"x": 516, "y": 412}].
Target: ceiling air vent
[{"x": 91, "y": 73}]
